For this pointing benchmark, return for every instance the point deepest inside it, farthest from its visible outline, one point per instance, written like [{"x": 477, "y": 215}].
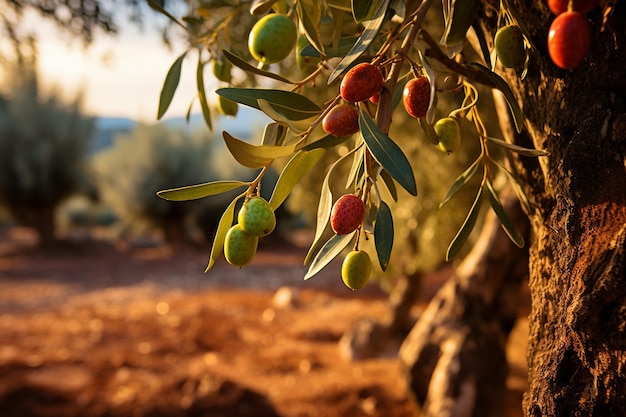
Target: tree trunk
[
  {"x": 42, "y": 218},
  {"x": 455, "y": 355},
  {"x": 577, "y": 341}
]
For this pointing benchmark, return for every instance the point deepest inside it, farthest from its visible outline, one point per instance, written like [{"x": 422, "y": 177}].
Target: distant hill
[
  {"x": 105, "y": 130},
  {"x": 248, "y": 122}
]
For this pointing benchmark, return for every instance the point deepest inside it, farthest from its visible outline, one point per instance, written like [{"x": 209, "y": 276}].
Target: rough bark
[
  {"x": 577, "y": 341},
  {"x": 454, "y": 356}
]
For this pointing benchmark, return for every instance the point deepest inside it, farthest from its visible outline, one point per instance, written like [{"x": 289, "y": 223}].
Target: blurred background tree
[
  {"x": 152, "y": 158},
  {"x": 44, "y": 140}
]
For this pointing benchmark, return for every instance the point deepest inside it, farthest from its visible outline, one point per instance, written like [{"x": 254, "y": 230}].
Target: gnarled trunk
[
  {"x": 455, "y": 355},
  {"x": 577, "y": 341}
]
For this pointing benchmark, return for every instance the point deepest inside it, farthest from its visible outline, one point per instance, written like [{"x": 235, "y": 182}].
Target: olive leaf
[
  {"x": 310, "y": 13},
  {"x": 274, "y": 134},
  {"x": 461, "y": 181},
  {"x": 363, "y": 10},
  {"x": 260, "y": 7},
  {"x": 243, "y": 65},
  {"x": 387, "y": 153},
  {"x": 301, "y": 163},
  {"x": 458, "y": 20},
  {"x": 383, "y": 234},
  {"x": 516, "y": 148},
  {"x": 515, "y": 182},
  {"x": 325, "y": 205},
  {"x": 170, "y": 85},
  {"x": 516, "y": 111},
  {"x": 484, "y": 47},
  {"x": 224, "y": 224},
  {"x": 357, "y": 168},
  {"x": 398, "y": 93},
  {"x": 430, "y": 73},
  {"x": 204, "y": 105},
  {"x": 333, "y": 247},
  {"x": 154, "y": 5},
  {"x": 345, "y": 5},
  {"x": 292, "y": 105},
  {"x": 391, "y": 186},
  {"x": 370, "y": 30},
  {"x": 343, "y": 47},
  {"x": 326, "y": 142},
  {"x": 470, "y": 221},
  {"x": 507, "y": 223},
  {"x": 194, "y": 192},
  {"x": 255, "y": 156},
  {"x": 429, "y": 130}
]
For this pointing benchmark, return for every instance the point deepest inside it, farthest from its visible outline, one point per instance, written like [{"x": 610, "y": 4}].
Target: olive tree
[
  {"x": 149, "y": 158},
  {"x": 559, "y": 91},
  {"x": 43, "y": 149}
]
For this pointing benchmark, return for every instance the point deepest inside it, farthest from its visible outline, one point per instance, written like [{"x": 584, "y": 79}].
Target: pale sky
[{"x": 119, "y": 75}]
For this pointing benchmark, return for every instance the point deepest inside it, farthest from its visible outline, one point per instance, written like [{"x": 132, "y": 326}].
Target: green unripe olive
[
  {"x": 239, "y": 246},
  {"x": 306, "y": 64},
  {"x": 356, "y": 269},
  {"x": 222, "y": 70},
  {"x": 227, "y": 107},
  {"x": 272, "y": 38},
  {"x": 257, "y": 217},
  {"x": 509, "y": 44},
  {"x": 448, "y": 134}
]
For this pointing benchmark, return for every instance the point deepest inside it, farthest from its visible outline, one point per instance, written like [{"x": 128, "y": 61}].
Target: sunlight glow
[{"x": 119, "y": 76}]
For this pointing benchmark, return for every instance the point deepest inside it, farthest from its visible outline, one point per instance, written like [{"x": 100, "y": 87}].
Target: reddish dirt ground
[{"x": 89, "y": 330}]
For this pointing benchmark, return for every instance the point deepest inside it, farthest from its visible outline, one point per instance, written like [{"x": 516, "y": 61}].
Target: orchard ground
[{"x": 94, "y": 330}]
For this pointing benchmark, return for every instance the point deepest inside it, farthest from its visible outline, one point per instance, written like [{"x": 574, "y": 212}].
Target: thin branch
[{"x": 468, "y": 72}]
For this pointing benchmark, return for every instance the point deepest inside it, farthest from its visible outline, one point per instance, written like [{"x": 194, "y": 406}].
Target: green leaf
[
  {"x": 333, "y": 247},
  {"x": 292, "y": 105},
  {"x": 194, "y": 192},
  {"x": 343, "y": 47},
  {"x": 260, "y": 7},
  {"x": 515, "y": 182},
  {"x": 398, "y": 93},
  {"x": 458, "y": 20},
  {"x": 383, "y": 234},
  {"x": 310, "y": 13},
  {"x": 170, "y": 85},
  {"x": 507, "y": 223},
  {"x": 391, "y": 186},
  {"x": 296, "y": 168},
  {"x": 399, "y": 8},
  {"x": 325, "y": 206},
  {"x": 430, "y": 74},
  {"x": 356, "y": 170},
  {"x": 363, "y": 10},
  {"x": 274, "y": 134},
  {"x": 271, "y": 112},
  {"x": 461, "y": 181},
  {"x": 518, "y": 149},
  {"x": 226, "y": 221},
  {"x": 326, "y": 142},
  {"x": 465, "y": 231},
  {"x": 370, "y": 30},
  {"x": 484, "y": 47},
  {"x": 428, "y": 129},
  {"x": 243, "y": 65},
  {"x": 344, "y": 5},
  {"x": 154, "y": 5},
  {"x": 387, "y": 153},
  {"x": 253, "y": 156},
  {"x": 516, "y": 111},
  {"x": 204, "y": 105}
]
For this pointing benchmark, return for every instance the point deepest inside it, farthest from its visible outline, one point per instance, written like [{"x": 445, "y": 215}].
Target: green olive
[
  {"x": 272, "y": 38},
  {"x": 356, "y": 269}
]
